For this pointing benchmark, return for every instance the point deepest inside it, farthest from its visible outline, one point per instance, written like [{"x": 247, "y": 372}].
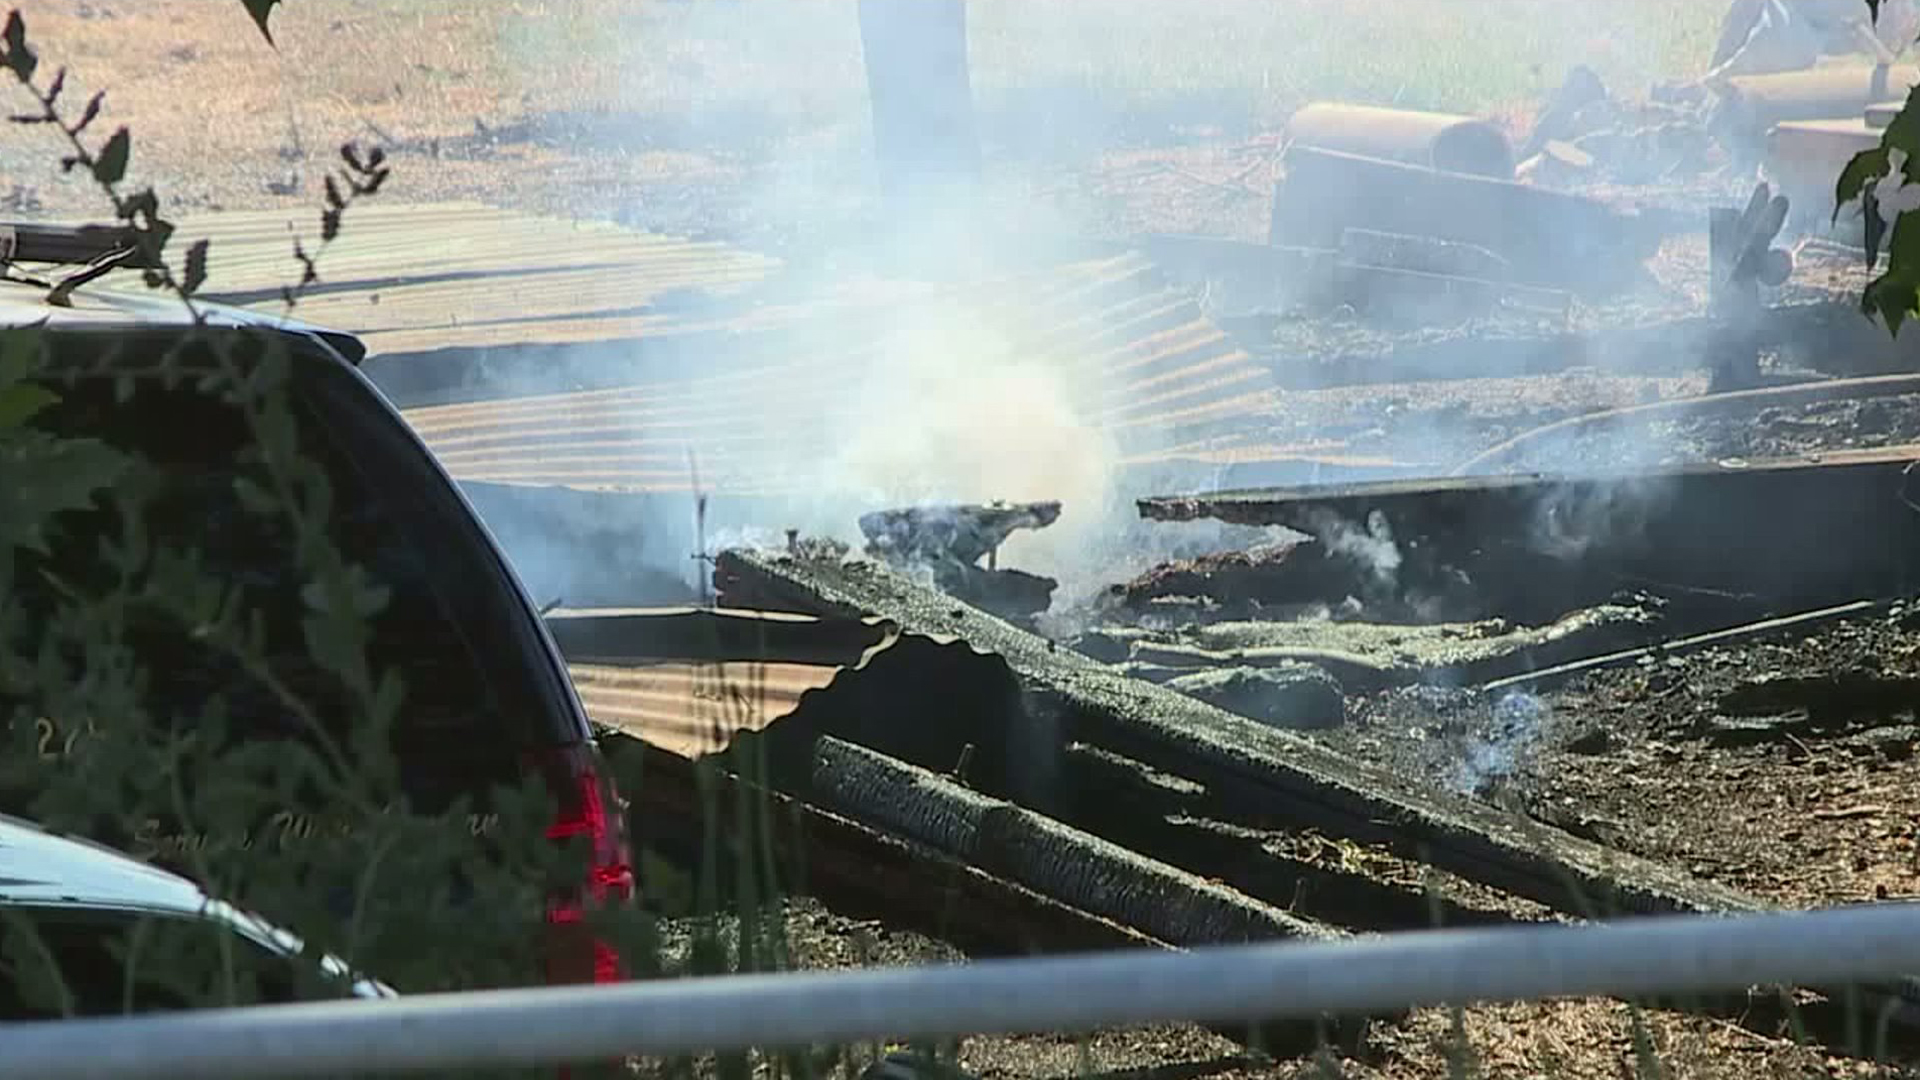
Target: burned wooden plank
[
  {"x": 1250, "y": 771},
  {"x": 1021, "y": 845},
  {"x": 1164, "y": 817},
  {"x": 863, "y": 871},
  {"x": 1758, "y": 535},
  {"x": 851, "y": 866}
]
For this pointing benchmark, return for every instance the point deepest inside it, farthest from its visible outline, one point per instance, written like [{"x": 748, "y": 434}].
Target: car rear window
[{"x": 479, "y": 691}]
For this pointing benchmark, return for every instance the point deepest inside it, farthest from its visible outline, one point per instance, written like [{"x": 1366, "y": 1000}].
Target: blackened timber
[
  {"x": 1776, "y": 534},
  {"x": 1015, "y": 843},
  {"x": 1251, "y": 772},
  {"x": 856, "y": 869},
  {"x": 1161, "y": 816}
]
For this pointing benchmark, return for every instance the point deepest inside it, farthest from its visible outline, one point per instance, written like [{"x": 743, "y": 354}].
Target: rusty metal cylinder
[{"x": 1437, "y": 140}]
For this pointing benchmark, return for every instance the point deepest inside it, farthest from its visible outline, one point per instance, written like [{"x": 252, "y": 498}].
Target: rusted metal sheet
[
  {"x": 1437, "y": 140},
  {"x": 411, "y": 276},
  {"x": 694, "y": 708},
  {"x": 688, "y": 680},
  {"x": 630, "y": 635},
  {"x": 1138, "y": 360}
]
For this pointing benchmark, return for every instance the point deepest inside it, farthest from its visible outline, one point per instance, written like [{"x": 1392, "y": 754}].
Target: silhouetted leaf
[
  {"x": 1876, "y": 226},
  {"x": 334, "y": 201},
  {"x": 308, "y": 273},
  {"x": 1874, "y": 7},
  {"x": 19, "y": 403},
  {"x": 111, "y": 164},
  {"x": 93, "y": 110},
  {"x": 19, "y": 56},
  {"x": 1903, "y": 131},
  {"x": 196, "y": 270},
  {"x": 58, "y": 84},
  {"x": 1895, "y": 295},
  {"x": 1860, "y": 173},
  {"x": 329, "y": 224},
  {"x": 260, "y": 10}
]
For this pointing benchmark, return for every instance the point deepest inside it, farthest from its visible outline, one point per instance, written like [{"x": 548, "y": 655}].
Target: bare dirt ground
[{"x": 594, "y": 109}]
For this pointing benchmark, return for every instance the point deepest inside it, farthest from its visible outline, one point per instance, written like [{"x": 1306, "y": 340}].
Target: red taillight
[{"x": 590, "y": 807}]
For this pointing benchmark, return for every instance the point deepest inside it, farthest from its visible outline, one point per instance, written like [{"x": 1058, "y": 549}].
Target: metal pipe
[
  {"x": 504, "y": 1028},
  {"x": 1436, "y": 140}
]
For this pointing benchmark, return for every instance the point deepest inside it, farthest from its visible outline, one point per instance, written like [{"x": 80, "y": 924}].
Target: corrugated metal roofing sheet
[
  {"x": 694, "y": 708},
  {"x": 1138, "y": 358},
  {"x": 416, "y": 276},
  {"x": 777, "y": 387}
]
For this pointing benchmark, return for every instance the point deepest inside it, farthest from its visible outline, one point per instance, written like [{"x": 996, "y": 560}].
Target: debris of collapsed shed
[
  {"x": 667, "y": 689},
  {"x": 1250, "y": 771},
  {"x": 875, "y": 834},
  {"x": 1535, "y": 547},
  {"x": 1379, "y": 274},
  {"x": 1549, "y": 237},
  {"x": 949, "y": 541},
  {"x": 1363, "y": 657},
  {"x": 1021, "y": 845},
  {"x": 1211, "y": 793},
  {"x": 861, "y": 870}
]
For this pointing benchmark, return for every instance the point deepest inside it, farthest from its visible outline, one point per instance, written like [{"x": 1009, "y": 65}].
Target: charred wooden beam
[
  {"x": 1251, "y": 772},
  {"x": 853, "y": 867},
  {"x": 1163, "y": 817},
  {"x": 1766, "y": 535},
  {"x": 862, "y": 871},
  {"x": 1020, "y": 845}
]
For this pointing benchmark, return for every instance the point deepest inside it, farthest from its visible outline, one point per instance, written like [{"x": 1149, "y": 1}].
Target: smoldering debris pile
[
  {"x": 948, "y": 542},
  {"x": 1070, "y": 802},
  {"x": 1584, "y": 136}
]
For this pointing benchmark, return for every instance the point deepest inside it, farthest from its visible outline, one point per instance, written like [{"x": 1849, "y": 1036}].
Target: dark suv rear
[{"x": 487, "y": 697}]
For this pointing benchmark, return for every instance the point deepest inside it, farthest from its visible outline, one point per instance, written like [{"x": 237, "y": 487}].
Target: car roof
[
  {"x": 123, "y": 309},
  {"x": 44, "y": 870}
]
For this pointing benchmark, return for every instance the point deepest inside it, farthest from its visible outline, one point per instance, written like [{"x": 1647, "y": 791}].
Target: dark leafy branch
[{"x": 1894, "y": 295}]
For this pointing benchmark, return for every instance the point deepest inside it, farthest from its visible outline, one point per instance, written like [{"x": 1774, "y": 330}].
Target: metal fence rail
[{"x": 1671, "y": 955}]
